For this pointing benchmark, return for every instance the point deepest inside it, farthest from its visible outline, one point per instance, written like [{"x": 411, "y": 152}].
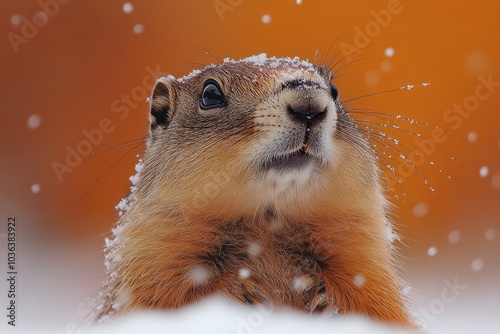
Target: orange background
[{"x": 76, "y": 68}]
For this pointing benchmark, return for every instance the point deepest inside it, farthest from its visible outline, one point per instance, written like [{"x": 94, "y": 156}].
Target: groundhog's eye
[
  {"x": 334, "y": 91},
  {"x": 212, "y": 96}
]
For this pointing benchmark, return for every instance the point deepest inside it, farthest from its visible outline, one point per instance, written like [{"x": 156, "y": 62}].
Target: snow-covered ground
[{"x": 218, "y": 316}]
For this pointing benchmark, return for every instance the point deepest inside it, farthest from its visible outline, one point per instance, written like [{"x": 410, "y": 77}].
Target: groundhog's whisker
[
  {"x": 141, "y": 140},
  {"x": 334, "y": 73},
  {"x": 344, "y": 132},
  {"x": 390, "y": 126},
  {"x": 385, "y": 159},
  {"x": 380, "y": 115},
  {"x": 382, "y": 137},
  {"x": 380, "y": 154},
  {"x": 196, "y": 127},
  {"x": 248, "y": 137},
  {"x": 349, "y": 55},
  {"x": 102, "y": 175},
  {"x": 327, "y": 53},
  {"x": 214, "y": 56},
  {"x": 415, "y": 134},
  {"x": 407, "y": 87}
]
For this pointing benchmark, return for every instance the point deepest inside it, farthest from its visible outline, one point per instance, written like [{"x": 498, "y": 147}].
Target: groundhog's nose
[
  {"x": 306, "y": 101},
  {"x": 306, "y": 112}
]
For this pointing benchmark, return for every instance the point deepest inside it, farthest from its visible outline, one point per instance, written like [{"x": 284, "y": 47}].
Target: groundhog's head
[{"x": 249, "y": 134}]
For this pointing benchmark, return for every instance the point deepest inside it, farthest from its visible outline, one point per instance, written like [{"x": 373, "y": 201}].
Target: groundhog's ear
[{"x": 162, "y": 103}]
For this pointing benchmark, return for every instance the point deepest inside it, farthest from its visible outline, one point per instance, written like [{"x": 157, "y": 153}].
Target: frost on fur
[{"x": 112, "y": 246}]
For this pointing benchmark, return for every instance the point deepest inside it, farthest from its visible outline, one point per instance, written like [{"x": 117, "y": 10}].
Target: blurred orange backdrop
[{"x": 74, "y": 70}]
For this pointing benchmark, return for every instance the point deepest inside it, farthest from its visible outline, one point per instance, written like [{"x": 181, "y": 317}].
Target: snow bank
[{"x": 219, "y": 316}]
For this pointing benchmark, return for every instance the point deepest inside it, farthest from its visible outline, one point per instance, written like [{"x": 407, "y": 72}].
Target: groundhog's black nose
[
  {"x": 306, "y": 101},
  {"x": 306, "y": 112}
]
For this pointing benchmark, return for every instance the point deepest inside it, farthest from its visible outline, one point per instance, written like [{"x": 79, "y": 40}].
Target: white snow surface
[{"x": 219, "y": 316}]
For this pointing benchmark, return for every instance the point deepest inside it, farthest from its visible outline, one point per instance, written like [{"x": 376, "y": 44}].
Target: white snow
[
  {"x": 128, "y": 8},
  {"x": 15, "y": 20},
  {"x": 254, "y": 249},
  {"x": 192, "y": 74},
  {"x": 35, "y": 188},
  {"x": 125, "y": 202},
  {"x": 301, "y": 283},
  {"x": 359, "y": 280},
  {"x": 454, "y": 237},
  {"x": 484, "y": 171},
  {"x": 138, "y": 29},
  {"x": 420, "y": 210},
  {"x": 199, "y": 274},
  {"x": 432, "y": 251},
  {"x": 411, "y": 86},
  {"x": 495, "y": 181},
  {"x": 112, "y": 245},
  {"x": 472, "y": 136},
  {"x": 477, "y": 265},
  {"x": 262, "y": 59},
  {"x": 389, "y": 52},
  {"x": 390, "y": 235},
  {"x": 40, "y": 18},
  {"x": 244, "y": 273},
  {"x": 135, "y": 178},
  {"x": 295, "y": 67},
  {"x": 34, "y": 121},
  {"x": 490, "y": 234},
  {"x": 372, "y": 78},
  {"x": 386, "y": 66},
  {"x": 219, "y": 316}
]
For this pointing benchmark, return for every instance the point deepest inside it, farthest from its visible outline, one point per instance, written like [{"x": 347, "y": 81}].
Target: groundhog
[{"x": 256, "y": 184}]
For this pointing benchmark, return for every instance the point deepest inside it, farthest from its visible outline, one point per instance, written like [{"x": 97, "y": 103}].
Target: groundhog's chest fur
[{"x": 268, "y": 259}]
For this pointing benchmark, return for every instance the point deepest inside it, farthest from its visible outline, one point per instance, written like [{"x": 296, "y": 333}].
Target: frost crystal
[
  {"x": 113, "y": 244},
  {"x": 390, "y": 235},
  {"x": 295, "y": 66},
  {"x": 125, "y": 202}
]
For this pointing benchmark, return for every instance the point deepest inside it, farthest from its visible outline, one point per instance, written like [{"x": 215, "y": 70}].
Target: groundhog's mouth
[{"x": 292, "y": 160}]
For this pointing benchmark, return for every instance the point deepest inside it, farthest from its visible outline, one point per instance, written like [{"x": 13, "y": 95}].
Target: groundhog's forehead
[{"x": 258, "y": 66}]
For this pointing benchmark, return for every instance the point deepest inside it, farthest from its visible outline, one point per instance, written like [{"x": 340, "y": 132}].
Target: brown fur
[{"x": 200, "y": 203}]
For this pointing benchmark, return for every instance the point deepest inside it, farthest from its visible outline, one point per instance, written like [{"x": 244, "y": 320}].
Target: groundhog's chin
[
  {"x": 297, "y": 158},
  {"x": 288, "y": 162}
]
